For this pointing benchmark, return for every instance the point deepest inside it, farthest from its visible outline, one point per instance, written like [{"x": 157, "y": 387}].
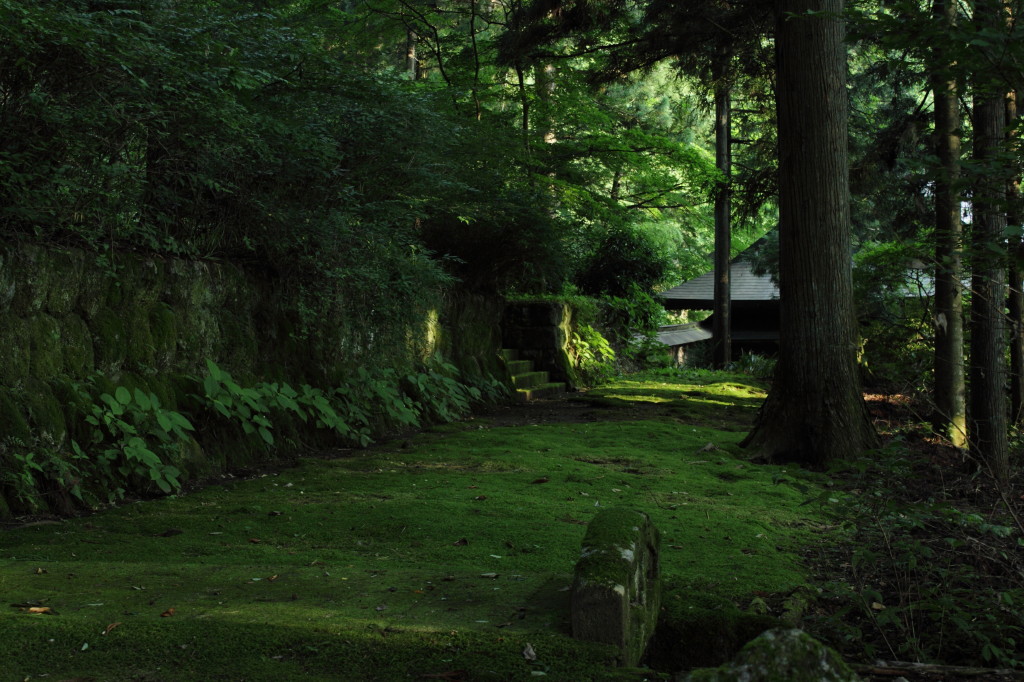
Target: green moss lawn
[{"x": 440, "y": 556}]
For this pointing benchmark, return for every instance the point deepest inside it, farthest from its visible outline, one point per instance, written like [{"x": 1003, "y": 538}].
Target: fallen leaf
[
  {"x": 274, "y": 513},
  {"x": 877, "y": 607},
  {"x": 168, "y": 613},
  {"x": 41, "y": 571},
  {"x": 480, "y": 497},
  {"x": 255, "y": 541},
  {"x": 543, "y": 479},
  {"x": 110, "y": 627},
  {"x": 41, "y": 609},
  {"x": 710, "y": 447},
  {"x": 272, "y": 578},
  {"x": 461, "y": 542},
  {"x": 492, "y": 576},
  {"x": 528, "y": 653}
]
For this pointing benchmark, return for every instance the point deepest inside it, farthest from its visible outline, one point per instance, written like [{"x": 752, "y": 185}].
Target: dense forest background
[{"x": 548, "y": 148}]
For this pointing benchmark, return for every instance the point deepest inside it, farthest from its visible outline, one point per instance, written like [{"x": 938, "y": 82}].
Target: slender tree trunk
[
  {"x": 721, "y": 328},
  {"x": 950, "y": 418},
  {"x": 412, "y": 62},
  {"x": 1015, "y": 304},
  {"x": 988, "y": 404},
  {"x": 815, "y": 411}
]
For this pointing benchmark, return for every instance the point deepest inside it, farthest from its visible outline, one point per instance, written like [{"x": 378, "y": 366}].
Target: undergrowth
[{"x": 933, "y": 568}]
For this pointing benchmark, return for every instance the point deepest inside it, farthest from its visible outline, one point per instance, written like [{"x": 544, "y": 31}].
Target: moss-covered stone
[
  {"x": 32, "y": 280},
  {"x": 45, "y": 416},
  {"x": 781, "y": 655},
  {"x": 92, "y": 293},
  {"x": 76, "y": 405},
  {"x": 46, "y": 359},
  {"x": 76, "y": 341},
  {"x": 15, "y": 342},
  {"x": 237, "y": 347},
  {"x": 12, "y": 417},
  {"x": 66, "y": 275},
  {"x": 140, "y": 341},
  {"x": 110, "y": 340},
  {"x": 8, "y": 279},
  {"x": 163, "y": 328},
  {"x": 616, "y": 592}
]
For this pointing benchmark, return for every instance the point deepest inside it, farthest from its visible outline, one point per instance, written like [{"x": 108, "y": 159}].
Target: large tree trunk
[
  {"x": 815, "y": 411},
  {"x": 988, "y": 405},
  {"x": 950, "y": 417},
  {"x": 1015, "y": 304},
  {"x": 721, "y": 322}
]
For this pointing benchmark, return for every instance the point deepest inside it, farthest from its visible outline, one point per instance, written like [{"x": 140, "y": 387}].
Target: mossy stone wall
[{"x": 151, "y": 323}]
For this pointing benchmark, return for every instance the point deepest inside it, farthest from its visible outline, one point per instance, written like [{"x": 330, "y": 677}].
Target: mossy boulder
[
  {"x": 76, "y": 341},
  {"x": 780, "y": 655},
  {"x": 66, "y": 268},
  {"x": 140, "y": 341},
  {"x": 163, "y": 329},
  {"x": 46, "y": 350},
  {"x": 16, "y": 345},
  {"x": 45, "y": 415},
  {"x": 33, "y": 273},
  {"x": 110, "y": 341},
  {"x": 12, "y": 417}
]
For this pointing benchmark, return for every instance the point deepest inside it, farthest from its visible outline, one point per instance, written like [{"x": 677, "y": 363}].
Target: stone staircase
[{"x": 529, "y": 384}]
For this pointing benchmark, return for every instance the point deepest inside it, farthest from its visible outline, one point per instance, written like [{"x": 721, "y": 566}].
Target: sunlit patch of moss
[{"x": 444, "y": 551}]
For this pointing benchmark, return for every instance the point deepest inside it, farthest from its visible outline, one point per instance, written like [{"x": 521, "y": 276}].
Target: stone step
[
  {"x": 530, "y": 379},
  {"x": 519, "y": 366},
  {"x": 549, "y": 390},
  {"x": 509, "y": 354}
]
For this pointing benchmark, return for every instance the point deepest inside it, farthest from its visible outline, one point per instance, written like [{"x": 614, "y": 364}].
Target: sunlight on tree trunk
[
  {"x": 950, "y": 419},
  {"x": 815, "y": 411}
]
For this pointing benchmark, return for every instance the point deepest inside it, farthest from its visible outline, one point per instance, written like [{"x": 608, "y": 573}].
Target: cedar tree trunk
[
  {"x": 721, "y": 328},
  {"x": 988, "y": 404},
  {"x": 815, "y": 411},
  {"x": 950, "y": 419}
]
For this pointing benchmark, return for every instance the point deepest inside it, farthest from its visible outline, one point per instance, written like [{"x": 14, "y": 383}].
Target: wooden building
[{"x": 755, "y": 311}]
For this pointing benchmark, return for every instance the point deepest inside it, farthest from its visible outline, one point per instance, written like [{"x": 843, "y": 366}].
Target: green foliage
[
  {"x": 892, "y": 308},
  {"x": 592, "y": 355},
  {"x": 33, "y": 469},
  {"x": 371, "y": 401},
  {"x": 254, "y": 406},
  {"x": 133, "y": 438},
  {"x": 755, "y": 365}
]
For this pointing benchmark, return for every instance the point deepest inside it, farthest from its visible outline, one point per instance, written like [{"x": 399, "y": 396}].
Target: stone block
[{"x": 616, "y": 592}]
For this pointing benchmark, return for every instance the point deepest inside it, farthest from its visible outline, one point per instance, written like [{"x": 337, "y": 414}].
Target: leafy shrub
[{"x": 592, "y": 355}]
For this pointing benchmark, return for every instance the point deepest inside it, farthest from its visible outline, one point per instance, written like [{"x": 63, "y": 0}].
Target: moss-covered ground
[{"x": 438, "y": 556}]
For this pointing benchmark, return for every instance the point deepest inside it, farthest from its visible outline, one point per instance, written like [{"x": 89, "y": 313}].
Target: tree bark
[
  {"x": 815, "y": 411},
  {"x": 1015, "y": 303},
  {"x": 950, "y": 419},
  {"x": 988, "y": 374},
  {"x": 721, "y": 322}
]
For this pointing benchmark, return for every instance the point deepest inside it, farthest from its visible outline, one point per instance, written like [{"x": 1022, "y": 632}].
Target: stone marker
[{"x": 616, "y": 591}]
